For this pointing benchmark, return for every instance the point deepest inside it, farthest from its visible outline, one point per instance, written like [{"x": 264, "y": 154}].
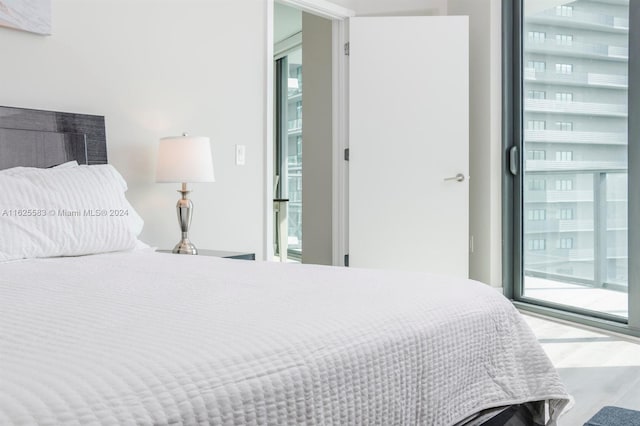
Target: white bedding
[{"x": 147, "y": 338}]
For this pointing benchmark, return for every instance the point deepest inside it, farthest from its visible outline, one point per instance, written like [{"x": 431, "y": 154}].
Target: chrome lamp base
[
  {"x": 184, "y": 209},
  {"x": 185, "y": 247}
]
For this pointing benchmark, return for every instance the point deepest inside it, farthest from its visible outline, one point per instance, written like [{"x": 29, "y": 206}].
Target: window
[
  {"x": 536, "y": 94},
  {"x": 565, "y": 243},
  {"x": 537, "y": 66},
  {"x": 565, "y": 126},
  {"x": 288, "y": 128},
  {"x": 564, "y": 10},
  {"x": 564, "y": 68},
  {"x": 564, "y": 185},
  {"x": 537, "y": 185},
  {"x": 537, "y": 36},
  {"x": 537, "y": 214},
  {"x": 564, "y": 96},
  {"x": 296, "y": 122},
  {"x": 564, "y": 39},
  {"x": 537, "y": 245},
  {"x": 565, "y": 214},
  {"x": 564, "y": 156},
  {"x": 536, "y": 154},
  {"x": 590, "y": 78},
  {"x": 536, "y": 125}
]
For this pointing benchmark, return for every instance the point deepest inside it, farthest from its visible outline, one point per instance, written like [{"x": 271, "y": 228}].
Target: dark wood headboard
[{"x": 37, "y": 138}]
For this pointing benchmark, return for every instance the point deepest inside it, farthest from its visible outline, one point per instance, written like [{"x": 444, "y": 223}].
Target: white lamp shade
[{"x": 185, "y": 159}]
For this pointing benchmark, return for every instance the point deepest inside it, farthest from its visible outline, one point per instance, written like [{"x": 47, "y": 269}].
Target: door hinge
[
  {"x": 513, "y": 160},
  {"x": 346, "y": 260},
  {"x": 346, "y": 154},
  {"x": 346, "y": 49}
]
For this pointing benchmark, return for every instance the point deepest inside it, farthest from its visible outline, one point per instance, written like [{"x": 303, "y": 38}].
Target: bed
[{"x": 122, "y": 335}]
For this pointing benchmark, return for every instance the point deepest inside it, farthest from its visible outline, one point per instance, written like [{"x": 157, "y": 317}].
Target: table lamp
[{"x": 184, "y": 159}]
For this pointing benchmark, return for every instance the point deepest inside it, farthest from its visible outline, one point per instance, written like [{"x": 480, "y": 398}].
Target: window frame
[
  {"x": 513, "y": 128},
  {"x": 536, "y": 125},
  {"x": 563, "y": 68},
  {"x": 564, "y": 39},
  {"x": 564, "y": 126},
  {"x": 564, "y": 97},
  {"x": 536, "y": 94},
  {"x": 536, "y": 154},
  {"x": 564, "y": 11},
  {"x": 537, "y": 36},
  {"x": 564, "y": 155},
  {"x": 536, "y": 214}
]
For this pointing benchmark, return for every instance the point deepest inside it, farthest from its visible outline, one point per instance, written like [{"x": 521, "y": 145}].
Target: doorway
[
  {"x": 302, "y": 154},
  {"x": 288, "y": 138}
]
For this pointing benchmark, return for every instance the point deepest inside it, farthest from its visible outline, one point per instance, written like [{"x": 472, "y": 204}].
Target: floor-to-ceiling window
[
  {"x": 288, "y": 167},
  {"x": 570, "y": 123}
]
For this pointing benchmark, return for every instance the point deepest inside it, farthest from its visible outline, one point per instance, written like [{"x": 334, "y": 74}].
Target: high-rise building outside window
[
  {"x": 564, "y": 96},
  {"x": 564, "y": 39},
  {"x": 565, "y": 214},
  {"x": 564, "y": 10},
  {"x": 537, "y": 36},
  {"x": 537, "y": 244},
  {"x": 565, "y": 126},
  {"x": 584, "y": 129},
  {"x": 536, "y": 125},
  {"x": 564, "y": 185},
  {"x": 536, "y": 154},
  {"x": 564, "y": 156},
  {"x": 564, "y": 68},
  {"x": 537, "y": 214},
  {"x": 537, "y": 66},
  {"x": 536, "y": 94}
]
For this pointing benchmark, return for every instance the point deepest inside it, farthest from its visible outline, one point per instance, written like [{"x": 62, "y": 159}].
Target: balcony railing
[
  {"x": 584, "y": 18},
  {"x": 609, "y": 80},
  {"x": 295, "y": 125},
  {"x": 577, "y": 48},
  {"x": 601, "y": 138},
  {"x": 599, "y": 249},
  {"x": 616, "y": 81},
  {"x": 559, "y": 196},
  {"x": 573, "y": 166},
  {"x": 578, "y": 108},
  {"x": 552, "y": 226},
  {"x": 556, "y": 225}
]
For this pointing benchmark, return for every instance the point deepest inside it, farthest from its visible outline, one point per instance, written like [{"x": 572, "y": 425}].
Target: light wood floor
[{"x": 598, "y": 369}]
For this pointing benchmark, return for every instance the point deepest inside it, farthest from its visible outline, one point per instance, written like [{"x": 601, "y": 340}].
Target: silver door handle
[{"x": 458, "y": 178}]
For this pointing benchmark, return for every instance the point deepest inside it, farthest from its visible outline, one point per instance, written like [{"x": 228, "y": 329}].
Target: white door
[{"x": 408, "y": 133}]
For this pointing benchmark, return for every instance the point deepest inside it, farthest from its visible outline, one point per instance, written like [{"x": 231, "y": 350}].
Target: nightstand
[{"x": 220, "y": 253}]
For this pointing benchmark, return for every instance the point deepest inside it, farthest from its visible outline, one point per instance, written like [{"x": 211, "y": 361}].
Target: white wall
[
  {"x": 157, "y": 71},
  {"x": 157, "y": 68},
  {"x": 485, "y": 139},
  {"x": 394, "y": 7},
  {"x": 399, "y": 7}
]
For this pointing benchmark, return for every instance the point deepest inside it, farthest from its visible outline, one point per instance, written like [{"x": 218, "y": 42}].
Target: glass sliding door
[
  {"x": 288, "y": 158},
  {"x": 571, "y": 125}
]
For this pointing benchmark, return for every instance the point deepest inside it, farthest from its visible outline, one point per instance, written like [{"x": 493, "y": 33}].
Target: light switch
[{"x": 240, "y": 155}]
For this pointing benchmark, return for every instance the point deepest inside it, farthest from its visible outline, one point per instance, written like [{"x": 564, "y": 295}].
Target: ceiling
[{"x": 287, "y": 21}]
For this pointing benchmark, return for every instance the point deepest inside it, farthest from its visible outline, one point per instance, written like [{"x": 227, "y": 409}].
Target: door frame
[{"x": 338, "y": 15}]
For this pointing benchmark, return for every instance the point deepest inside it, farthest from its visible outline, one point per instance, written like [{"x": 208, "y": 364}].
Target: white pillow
[
  {"x": 22, "y": 169},
  {"x": 66, "y": 211},
  {"x": 68, "y": 164},
  {"x": 135, "y": 220}
]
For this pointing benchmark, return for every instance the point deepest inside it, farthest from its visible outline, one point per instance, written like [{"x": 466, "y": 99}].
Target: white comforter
[{"x": 146, "y": 338}]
